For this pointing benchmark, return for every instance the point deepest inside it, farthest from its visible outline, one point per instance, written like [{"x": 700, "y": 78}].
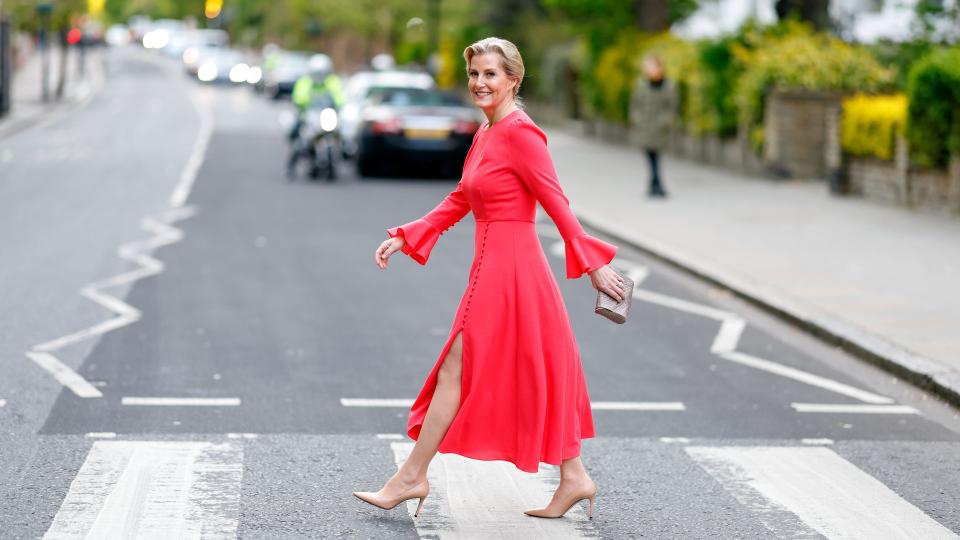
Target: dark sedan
[{"x": 427, "y": 129}]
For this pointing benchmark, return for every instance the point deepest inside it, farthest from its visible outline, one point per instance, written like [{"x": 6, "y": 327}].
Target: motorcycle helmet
[{"x": 319, "y": 66}]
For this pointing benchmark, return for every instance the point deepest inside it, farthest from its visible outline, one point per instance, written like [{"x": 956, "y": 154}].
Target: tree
[{"x": 815, "y": 12}]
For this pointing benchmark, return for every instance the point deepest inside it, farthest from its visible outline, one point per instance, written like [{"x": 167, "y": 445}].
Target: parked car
[
  {"x": 222, "y": 65},
  {"x": 358, "y": 90},
  {"x": 405, "y": 126},
  {"x": 160, "y": 33},
  {"x": 196, "y": 40},
  {"x": 288, "y": 66}
]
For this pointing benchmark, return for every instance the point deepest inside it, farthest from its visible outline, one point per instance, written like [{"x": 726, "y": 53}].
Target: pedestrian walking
[
  {"x": 508, "y": 384},
  {"x": 653, "y": 107}
]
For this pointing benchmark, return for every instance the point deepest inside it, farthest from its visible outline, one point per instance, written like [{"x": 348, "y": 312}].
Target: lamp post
[
  {"x": 6, "y": 62},
  {"x": 44, "y": 9}
]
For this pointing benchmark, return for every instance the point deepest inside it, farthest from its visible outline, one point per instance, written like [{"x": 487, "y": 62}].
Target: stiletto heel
[
  {"x": 419, "y": 491},
  {"x": 566, "y": 504}
]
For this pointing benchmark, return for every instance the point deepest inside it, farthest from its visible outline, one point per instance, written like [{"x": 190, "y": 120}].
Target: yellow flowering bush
[{"x": 870, "y": 124}]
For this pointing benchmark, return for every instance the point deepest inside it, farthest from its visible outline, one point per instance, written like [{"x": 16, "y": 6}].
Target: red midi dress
[{"x": 523, "y": 395}]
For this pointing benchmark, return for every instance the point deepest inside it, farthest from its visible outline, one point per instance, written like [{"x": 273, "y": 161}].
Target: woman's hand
[
  {"x": 606, "y": 279},
  {"x": 386, "y": 249}
]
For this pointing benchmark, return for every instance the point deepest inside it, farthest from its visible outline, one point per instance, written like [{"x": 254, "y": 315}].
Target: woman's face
[{"x": 488, "y": 83}]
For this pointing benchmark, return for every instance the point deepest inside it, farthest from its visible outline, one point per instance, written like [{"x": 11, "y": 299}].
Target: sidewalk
[
  {"x": 884, "y": 282},
  {"x": 27, "y": 107}
]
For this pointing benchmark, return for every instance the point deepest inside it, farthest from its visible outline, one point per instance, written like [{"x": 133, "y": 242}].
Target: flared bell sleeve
[
  {"x": 531, "y": 161},
  {"x": 421, "y": 235}
]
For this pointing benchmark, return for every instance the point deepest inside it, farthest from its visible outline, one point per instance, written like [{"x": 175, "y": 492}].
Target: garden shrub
[
  {"x": 870, "y": 124},
  {"x": 933, "y": 117}
]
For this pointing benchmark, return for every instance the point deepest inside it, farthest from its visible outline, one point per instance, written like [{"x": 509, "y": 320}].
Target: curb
[
  {"x": 916, "y": 369},
  {"x": 12, "y": 125}
]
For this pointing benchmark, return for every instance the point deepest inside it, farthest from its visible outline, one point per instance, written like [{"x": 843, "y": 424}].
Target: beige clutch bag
[{"x": 610, "y": 308}]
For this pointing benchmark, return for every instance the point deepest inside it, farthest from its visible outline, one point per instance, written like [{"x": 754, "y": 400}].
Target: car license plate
[{"x": 427, "y": 133}]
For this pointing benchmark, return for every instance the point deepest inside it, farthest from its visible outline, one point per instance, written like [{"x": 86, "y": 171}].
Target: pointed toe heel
[{"x": 419, "y": 491}]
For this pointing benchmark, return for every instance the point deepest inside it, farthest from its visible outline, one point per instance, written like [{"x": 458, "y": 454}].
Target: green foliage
[
  {"x": 900, "y": 57},
  {"x": 717, "y": 111},
  {"x": 933, "y": 117},
  {"x": 609, "y": 91}
]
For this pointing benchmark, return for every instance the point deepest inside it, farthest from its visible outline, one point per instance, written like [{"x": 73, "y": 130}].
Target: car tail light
[
  {"x": 465, "y": 127},
  {"x": 386, "y": 127}
]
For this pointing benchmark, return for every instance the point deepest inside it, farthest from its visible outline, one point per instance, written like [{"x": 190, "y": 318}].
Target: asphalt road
[{"x": 268, "y": 298}]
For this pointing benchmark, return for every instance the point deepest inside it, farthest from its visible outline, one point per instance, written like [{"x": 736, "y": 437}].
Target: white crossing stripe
[
  {"x": 101, "y": 435},
  {"x": 856, "y": 408},
  {"x": 471, "y": 499},
  {"x": 171, "y": 401},
  {"x": 596, "y": 405},
  {"x": 825, "y": 492},
  {"x": 153, "y": 489},
  {"x": 360, "y": 402},
  {"x": 637, "y": 406},
  {"x": 3, "y": 403},
  {"x": 394, "y": 436},
  {"x": 817, "y": 441},
  {"x": 681, "y": 440}
]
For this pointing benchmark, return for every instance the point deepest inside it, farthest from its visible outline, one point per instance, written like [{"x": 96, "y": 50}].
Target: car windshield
[
  {"x": 293, "y": 61},
  {"x": 414, "y": 97}
]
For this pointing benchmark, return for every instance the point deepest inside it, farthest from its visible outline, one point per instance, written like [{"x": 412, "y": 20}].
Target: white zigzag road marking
[
  {"x": 136, "y": 252},
  {"x": 728, "y": 337}
]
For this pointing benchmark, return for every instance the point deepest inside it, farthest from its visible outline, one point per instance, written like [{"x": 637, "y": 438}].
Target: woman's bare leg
[{"x": 443, "y": 409}]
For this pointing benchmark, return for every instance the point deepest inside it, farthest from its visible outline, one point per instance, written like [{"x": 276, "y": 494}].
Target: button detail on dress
[{"x": 476, "y": 273}]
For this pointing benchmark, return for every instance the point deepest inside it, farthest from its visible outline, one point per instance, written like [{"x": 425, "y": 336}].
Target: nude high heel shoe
[
  {"x": 420, "y": 491},
  {"x": 566, "y": 504}
]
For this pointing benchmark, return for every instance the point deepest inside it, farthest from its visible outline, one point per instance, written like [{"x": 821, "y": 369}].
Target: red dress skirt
[{"x": 523, "y": 395}]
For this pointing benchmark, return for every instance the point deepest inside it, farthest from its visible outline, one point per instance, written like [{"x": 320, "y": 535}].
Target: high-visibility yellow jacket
[{"x": 306, "y": 89}]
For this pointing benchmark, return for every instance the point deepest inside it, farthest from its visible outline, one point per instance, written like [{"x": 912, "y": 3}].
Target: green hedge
[{"x": 933, "y": 117}]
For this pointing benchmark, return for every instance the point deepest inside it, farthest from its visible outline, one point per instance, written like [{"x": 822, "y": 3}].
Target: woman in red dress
[{"x": 508, "y": 384}]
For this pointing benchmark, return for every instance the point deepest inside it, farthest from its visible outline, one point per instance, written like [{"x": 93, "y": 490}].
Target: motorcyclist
[{"x": 319, "y": 82}]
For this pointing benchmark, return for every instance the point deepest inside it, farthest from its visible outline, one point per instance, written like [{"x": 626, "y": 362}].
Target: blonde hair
[{"x": 510, "y": 59}]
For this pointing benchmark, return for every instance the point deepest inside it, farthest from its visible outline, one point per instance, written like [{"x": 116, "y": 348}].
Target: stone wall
[
  {"x": 900, "y": 182},
  {"x": 796, "y": 132}
]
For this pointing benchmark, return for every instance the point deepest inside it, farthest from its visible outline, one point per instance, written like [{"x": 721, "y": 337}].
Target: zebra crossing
[{"x": 192, "y": 489}]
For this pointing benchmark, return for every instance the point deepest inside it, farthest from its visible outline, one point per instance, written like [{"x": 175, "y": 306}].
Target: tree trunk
[
  {"x": 653, "y": 15},
  {"x": 815, "y": 12}
]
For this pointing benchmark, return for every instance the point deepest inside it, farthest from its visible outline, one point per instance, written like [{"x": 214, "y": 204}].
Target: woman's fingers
[{"x": 381, "y": 255}]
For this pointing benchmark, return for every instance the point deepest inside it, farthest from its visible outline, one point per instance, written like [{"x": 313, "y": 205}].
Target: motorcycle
[{"x": 317, "y": 138}]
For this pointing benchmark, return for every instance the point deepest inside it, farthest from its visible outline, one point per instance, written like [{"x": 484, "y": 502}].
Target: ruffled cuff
[
  {"x": 419, "y": 238},
  {"x": 586, "y": 253}
]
